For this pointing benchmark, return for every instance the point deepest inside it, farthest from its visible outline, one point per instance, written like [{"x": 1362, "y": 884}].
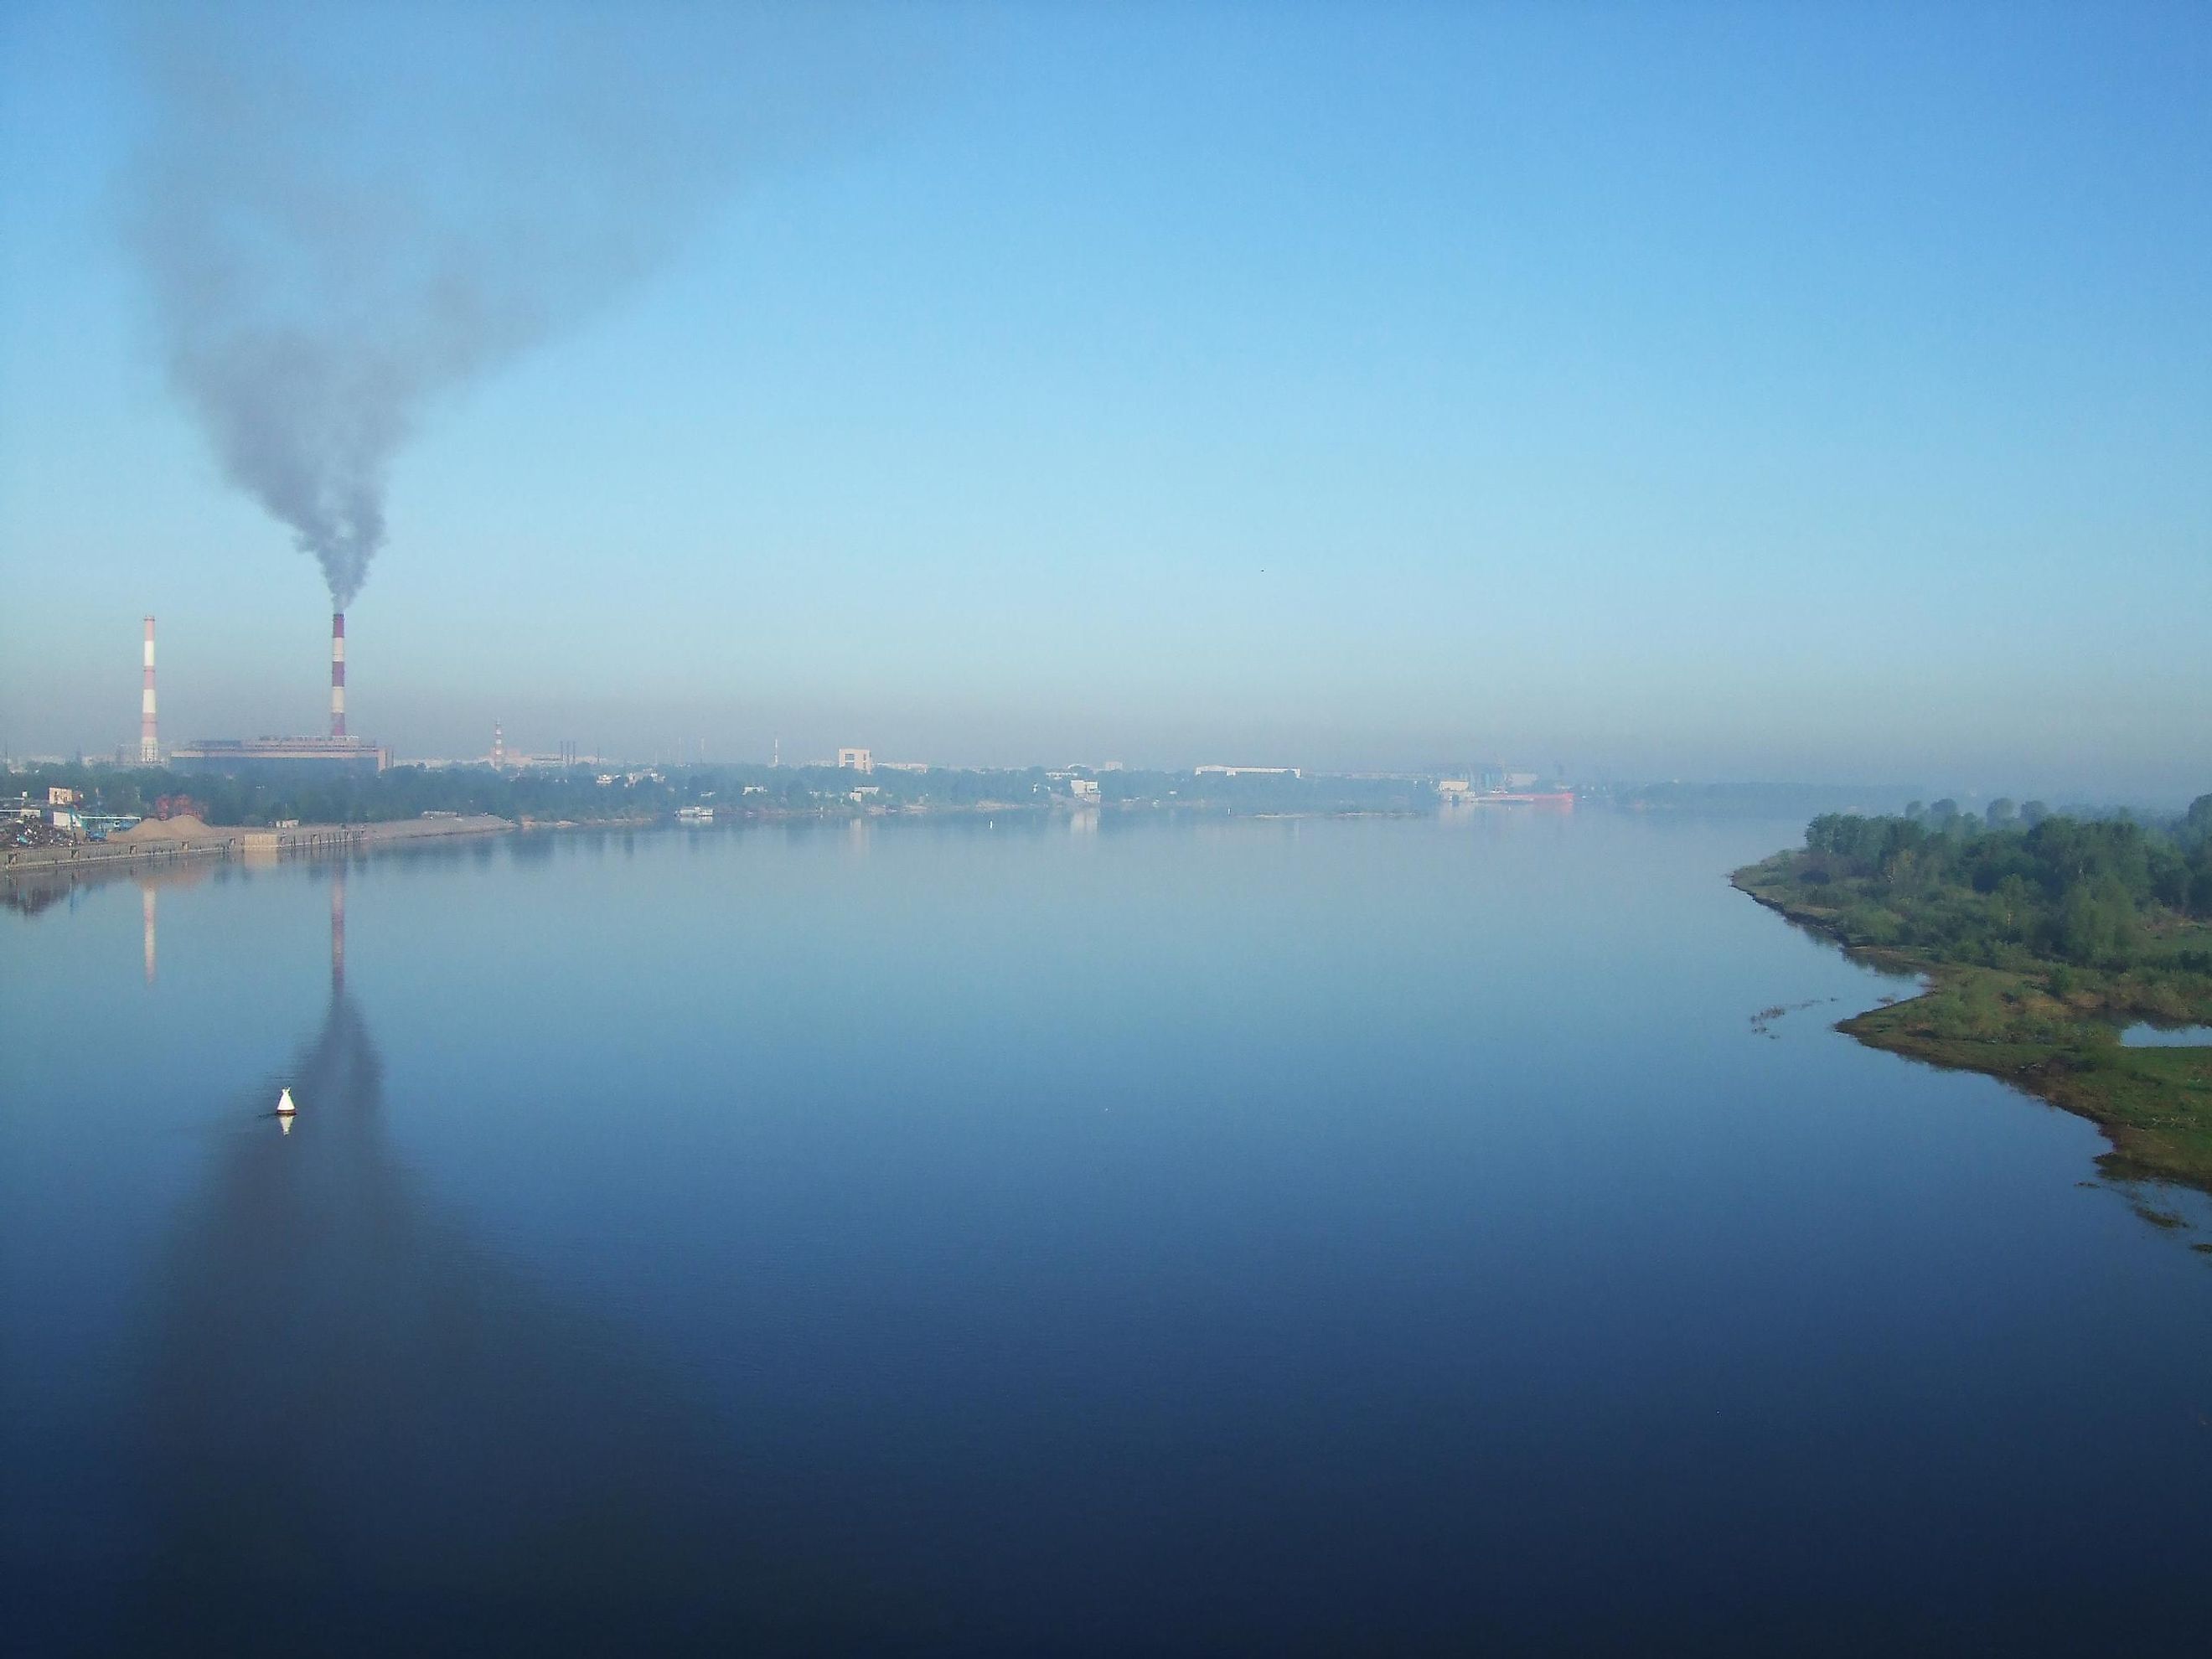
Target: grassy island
[{"x": 2039, "y": 937}]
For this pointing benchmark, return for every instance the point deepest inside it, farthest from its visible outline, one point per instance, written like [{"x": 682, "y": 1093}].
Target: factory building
[{"x": 283, "y": 757}]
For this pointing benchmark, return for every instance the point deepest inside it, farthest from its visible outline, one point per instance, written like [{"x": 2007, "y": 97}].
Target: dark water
[{"x": 1265, "y": 1237}]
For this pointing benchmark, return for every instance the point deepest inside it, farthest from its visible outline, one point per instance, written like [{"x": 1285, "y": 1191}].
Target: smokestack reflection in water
[{"x": 367, "y": 1433}]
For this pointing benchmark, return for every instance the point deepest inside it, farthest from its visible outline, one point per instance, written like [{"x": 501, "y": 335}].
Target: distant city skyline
[{"x": 1807, "y": 393}]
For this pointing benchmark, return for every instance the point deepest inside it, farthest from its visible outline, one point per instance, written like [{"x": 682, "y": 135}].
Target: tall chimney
[
  {"x": 498, "y": 745},
  {"x": 149, "y": 745},
  {"x": 337, "y": 673}
]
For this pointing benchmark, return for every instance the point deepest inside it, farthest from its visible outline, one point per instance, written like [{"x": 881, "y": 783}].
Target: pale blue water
[
  {"x": 1272, "y": 1237},
  {"x": 2166, "y": 1036}
]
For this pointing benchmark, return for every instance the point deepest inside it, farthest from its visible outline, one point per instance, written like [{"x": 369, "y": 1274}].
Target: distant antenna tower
[
  {"x": 498, "y": 745},
  {"x": 775, "y": 752}
]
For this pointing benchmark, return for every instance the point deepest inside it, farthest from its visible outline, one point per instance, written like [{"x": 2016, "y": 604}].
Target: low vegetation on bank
[{"x": 2040, "y": 938}]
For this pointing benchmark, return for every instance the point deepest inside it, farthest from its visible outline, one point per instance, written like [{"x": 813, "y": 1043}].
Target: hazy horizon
[{"x": 1815, "y": 394}]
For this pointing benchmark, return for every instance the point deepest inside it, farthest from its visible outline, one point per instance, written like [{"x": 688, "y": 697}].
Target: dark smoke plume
[{"x": 344, "y": 213}]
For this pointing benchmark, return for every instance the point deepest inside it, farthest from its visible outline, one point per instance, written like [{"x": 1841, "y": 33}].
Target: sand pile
[{"x": 184, "y": 828}]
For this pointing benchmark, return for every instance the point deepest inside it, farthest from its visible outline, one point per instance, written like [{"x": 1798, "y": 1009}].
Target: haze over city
[{"x": 1729, "y": 392}]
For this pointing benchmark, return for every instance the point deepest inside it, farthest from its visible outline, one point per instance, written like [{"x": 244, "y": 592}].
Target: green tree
[{"x": 2095, "y": 921}]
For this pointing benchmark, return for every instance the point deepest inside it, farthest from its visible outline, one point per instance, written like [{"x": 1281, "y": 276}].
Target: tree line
[
  {"x": 581, "y": 793},
  {"x": 2021, "y": 883}
]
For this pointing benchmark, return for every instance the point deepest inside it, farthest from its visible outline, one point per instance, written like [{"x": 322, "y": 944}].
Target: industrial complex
[{"x": 251, "y": 757}]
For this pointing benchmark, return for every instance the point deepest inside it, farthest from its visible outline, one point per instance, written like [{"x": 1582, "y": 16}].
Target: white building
[{"x": 856, "y": 760}]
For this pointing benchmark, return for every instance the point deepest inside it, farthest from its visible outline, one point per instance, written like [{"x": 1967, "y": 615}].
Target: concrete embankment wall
[{"x": 153, "y": 843}]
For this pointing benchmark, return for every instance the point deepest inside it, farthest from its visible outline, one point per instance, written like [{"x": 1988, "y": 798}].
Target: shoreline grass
[{"x": 2050, "y": 1029}]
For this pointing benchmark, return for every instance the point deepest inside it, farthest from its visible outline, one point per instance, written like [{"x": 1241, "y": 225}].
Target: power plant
[{"x": 288, "y": 756}]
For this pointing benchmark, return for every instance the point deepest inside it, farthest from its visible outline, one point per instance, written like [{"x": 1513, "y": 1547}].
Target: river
[{"x": 1044, "y": 1236}]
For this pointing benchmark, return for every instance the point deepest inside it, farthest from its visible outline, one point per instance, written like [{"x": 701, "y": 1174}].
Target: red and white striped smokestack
[
  {"x": 149, "y": 744},
  {"x": 337, "y": 673}
]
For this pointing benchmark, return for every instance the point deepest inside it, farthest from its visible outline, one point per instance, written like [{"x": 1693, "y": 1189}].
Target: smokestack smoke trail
[
  {"x": 346, "y": 219},
  {"x": 337, "y": 674},
  {"x": 149, "y": 745}
]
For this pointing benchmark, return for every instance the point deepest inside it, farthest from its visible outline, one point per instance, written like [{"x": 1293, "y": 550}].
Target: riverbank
[
  {"x": 156, "y": 842},
  {"x": 2051, "y": 1030}
]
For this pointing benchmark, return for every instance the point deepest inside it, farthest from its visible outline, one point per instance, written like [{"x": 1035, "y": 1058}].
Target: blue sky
[{"x": 1735, "y": 392}]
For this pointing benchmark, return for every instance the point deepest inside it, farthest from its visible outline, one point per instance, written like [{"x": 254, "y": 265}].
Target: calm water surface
[
  {"x": 2168, "y": 1036},
  {"x": 946, "y": 1237}
]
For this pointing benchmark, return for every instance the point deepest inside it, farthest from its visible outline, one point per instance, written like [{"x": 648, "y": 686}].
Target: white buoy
[{"x": 285, "y": 1108}]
